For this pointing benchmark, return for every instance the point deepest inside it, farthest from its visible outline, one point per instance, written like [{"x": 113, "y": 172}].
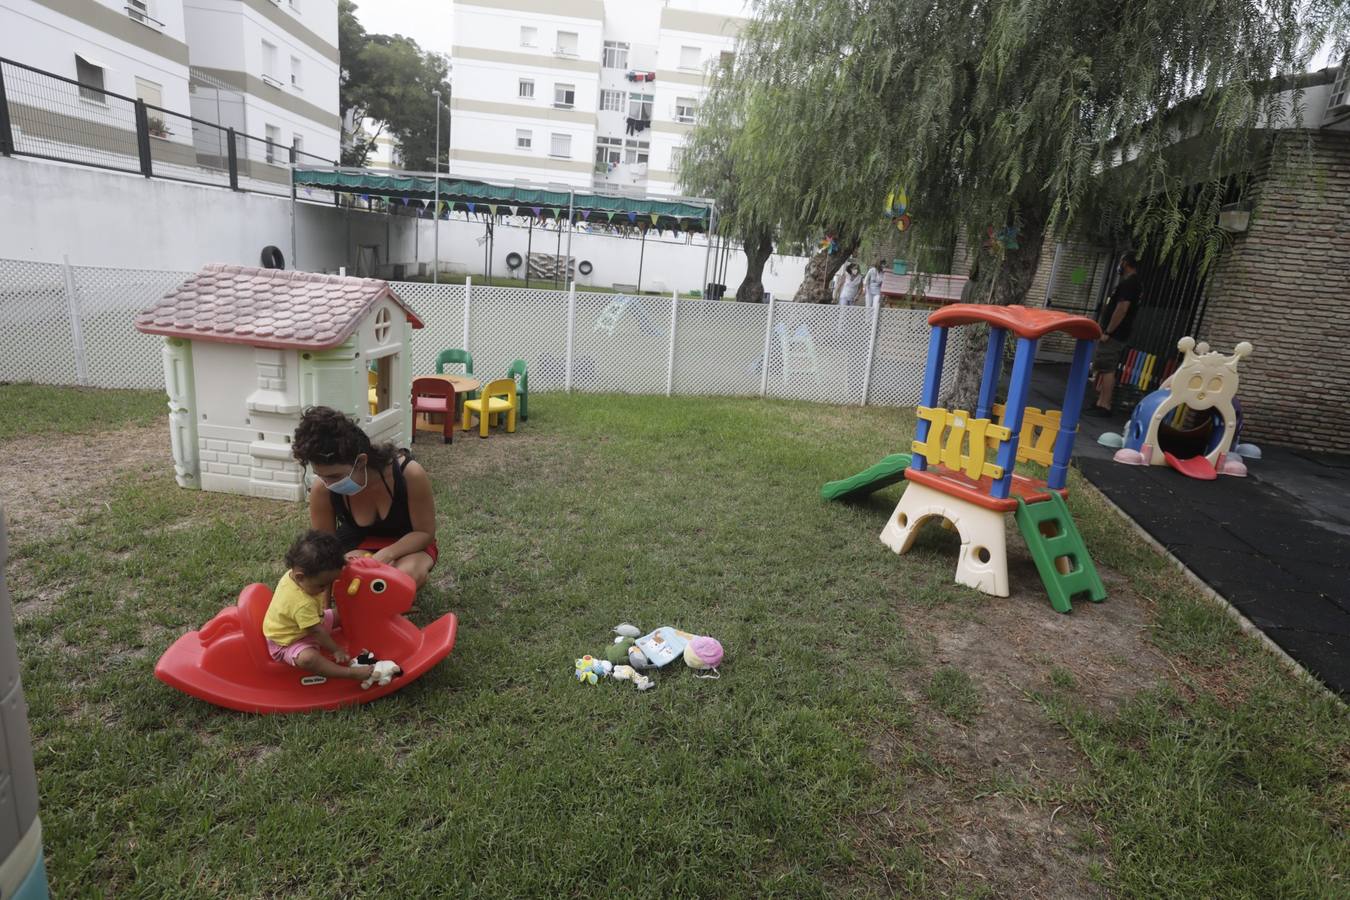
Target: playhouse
[
  {"x": 950, "y": 474},
  {"x": 247, "y": 349}
]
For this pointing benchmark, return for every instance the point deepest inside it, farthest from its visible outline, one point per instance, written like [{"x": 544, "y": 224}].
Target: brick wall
[{"x": 1284, "y": 285}]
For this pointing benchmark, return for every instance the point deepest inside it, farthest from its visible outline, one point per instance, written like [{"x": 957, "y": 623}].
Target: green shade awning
[{"x": 457, "y": 192}]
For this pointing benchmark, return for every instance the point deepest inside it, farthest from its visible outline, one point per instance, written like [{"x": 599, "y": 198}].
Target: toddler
[{"x": 299, "y": 624}]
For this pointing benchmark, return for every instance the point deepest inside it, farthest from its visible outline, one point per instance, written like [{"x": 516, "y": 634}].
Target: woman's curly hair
[{"x": 328, "y": 437}]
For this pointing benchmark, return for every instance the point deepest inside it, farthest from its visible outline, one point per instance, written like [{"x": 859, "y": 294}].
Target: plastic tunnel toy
[
  {"x": 1194, "y": 420},
  {"x": 227, "y": 663}
]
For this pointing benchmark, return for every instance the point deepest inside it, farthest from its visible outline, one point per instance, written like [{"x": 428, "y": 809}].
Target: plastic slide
[
  {"x": 1193, "y": 467},
  {"x": 885, "y": 473}
]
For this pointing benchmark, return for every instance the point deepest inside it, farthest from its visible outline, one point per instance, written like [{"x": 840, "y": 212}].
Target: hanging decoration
[
  {"x": 585, "y": 215},
  {"x": 471, "y": 207},
  {"x": 902, "y": 222},
  {"x": 1004, "y": 238},
  {"x": 828, "y": 242},
  {"x": 632, "y": 217},
  {"x": 897, "y": 201}
]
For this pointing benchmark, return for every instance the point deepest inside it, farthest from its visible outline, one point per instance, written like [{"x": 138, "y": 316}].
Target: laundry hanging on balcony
[
  {"x": 637, "y": 126},
  {"x": 640, "y": 76}
]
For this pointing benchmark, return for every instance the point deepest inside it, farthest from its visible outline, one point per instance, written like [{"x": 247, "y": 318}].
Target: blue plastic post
[
  {"x": 993, "y": 368},
  {"x": 1014, "y": 408},
  {"x": 932, "y": 382},
  {"x": 1068, "y": 417}
]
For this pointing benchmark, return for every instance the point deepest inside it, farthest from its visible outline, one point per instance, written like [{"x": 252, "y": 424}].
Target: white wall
[
  {"x": 134, "y": 222},
  {"x": 108, "y": 219},
  {"x": 667, "y": 262}
]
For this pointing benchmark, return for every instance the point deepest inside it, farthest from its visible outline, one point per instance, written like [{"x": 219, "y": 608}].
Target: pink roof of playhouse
[{"x": 267, "y": 307}]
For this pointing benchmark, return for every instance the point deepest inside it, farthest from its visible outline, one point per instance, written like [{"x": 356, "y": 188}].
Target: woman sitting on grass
[
  {"x": 376, "y": 499},
  {"x": 299, "y": 622}
]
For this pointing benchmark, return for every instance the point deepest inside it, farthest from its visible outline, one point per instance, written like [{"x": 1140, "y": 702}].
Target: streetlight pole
[{"x": 436, "y": 207}]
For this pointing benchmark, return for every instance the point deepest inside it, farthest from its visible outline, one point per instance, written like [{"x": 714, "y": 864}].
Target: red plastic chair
[{"x": 432, "y": 395}]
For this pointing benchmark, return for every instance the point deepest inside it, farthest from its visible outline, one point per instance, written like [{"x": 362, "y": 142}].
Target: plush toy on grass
[
  {"x": 703, "y": 654},
  {"x": 591, "y": 670},
  {"x": 617, "y": 652},
  {"x": 628, "y": 673}
]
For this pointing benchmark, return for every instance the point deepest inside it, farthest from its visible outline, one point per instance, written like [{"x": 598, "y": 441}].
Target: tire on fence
[
  {"x": 272, "y": 258},
  {"x": 513, "y": 260},
  {"x": 585, "y": 267}
]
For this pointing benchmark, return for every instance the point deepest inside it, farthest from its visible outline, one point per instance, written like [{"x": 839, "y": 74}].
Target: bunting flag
[
  {"x": 632, "y": 217},
  {"x": 585, "y": 215},
  {"x": 538, "y": 211},
  {"x": 365, "y": 197},
  {"x": 308, "y": 192},
  {"x": 471, "y": 206},
  {"x": 655, "y": 218},
  {"x": 405, "y": 201},
  {"x": 493, "y": 207}
]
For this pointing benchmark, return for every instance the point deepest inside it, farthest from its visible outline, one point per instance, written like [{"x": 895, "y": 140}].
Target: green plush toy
[{"x": 617, "y": 652}]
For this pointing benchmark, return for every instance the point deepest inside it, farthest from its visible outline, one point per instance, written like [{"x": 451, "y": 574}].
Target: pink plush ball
[{"x": 708, "y": 650}]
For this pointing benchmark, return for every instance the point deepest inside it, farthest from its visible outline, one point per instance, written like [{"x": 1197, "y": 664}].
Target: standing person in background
[
  {"x": 1116, "y": 323},
  {"x": 850, "y": 284},
  {"x": 873, "y": 283}
]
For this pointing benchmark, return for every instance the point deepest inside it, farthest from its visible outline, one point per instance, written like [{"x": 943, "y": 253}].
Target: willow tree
[
  {"x": 768, "y": 185},
  {"x": 1012, "y": 115}
]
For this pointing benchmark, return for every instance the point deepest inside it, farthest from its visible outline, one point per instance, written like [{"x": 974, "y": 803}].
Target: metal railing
[{"x": 52, "y": 117}]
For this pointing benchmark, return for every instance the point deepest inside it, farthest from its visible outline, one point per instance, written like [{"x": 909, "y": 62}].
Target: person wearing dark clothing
[
  {"x": 375, "y": 498},
  {"x": 1116, "y": 323}
]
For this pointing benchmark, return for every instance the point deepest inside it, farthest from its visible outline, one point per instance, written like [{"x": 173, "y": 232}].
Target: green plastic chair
[
  {"x": 517, "y": 371},
  {"x": 461, "y": 357}
]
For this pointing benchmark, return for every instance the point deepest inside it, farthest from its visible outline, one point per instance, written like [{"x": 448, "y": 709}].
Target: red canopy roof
[
  {"x": 1022, "y": 321},
  {"x": 267, "y": 307}
]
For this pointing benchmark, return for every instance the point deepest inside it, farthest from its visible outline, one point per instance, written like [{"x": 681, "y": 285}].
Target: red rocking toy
[{"x": 227, "y": 663}]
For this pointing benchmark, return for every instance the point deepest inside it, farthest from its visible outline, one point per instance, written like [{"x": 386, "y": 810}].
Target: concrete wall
[
  {"x": 109, "y": 219},
  {"x": 668, "y": 262}
]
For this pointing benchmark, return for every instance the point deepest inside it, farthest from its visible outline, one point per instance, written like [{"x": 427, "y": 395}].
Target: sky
[
  {"x": 429, "y": 23},
  {"x": 426, "y": 21}
]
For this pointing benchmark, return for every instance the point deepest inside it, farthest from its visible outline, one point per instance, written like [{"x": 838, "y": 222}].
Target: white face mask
[{"x": 348, "y": 486}]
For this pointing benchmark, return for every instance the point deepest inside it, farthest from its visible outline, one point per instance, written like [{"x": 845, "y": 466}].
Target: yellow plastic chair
[
  {"x": 372, "y": 382},
  {"x": 498, "y": 397}
]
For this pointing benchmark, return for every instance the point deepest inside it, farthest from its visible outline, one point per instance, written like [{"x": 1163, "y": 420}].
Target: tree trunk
[
  {"x": 1011, "y": 278},
  {"x": 758, "y": 248},
  {"x": 820, "y": 270}
]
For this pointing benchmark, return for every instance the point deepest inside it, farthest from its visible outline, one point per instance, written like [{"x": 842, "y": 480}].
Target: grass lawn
[
  {"x": 42, "y": 409},
  {"x": 876, "y": 729}
]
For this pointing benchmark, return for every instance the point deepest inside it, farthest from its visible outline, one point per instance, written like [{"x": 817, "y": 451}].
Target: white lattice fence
[
  {"x": 116, "y": 354},
  {"x": 621, "y": 344},
  {"x": 507, "y": 324},
  {"x": 73, "y": 325},
  {"x": 36, "y": 330},
  {"x": 441, "y": 309},
  {"x": 719, "y": 347}
]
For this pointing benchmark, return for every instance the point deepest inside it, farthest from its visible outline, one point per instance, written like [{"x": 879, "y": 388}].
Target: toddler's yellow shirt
[{"x": 292, "y": 612}]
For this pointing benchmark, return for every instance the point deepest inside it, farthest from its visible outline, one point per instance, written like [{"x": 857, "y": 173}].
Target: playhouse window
[
  {"x": 381, "y": 378},
  {"x": 382, "y": 325}
]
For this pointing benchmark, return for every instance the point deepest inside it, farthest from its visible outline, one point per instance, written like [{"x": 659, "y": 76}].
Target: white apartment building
[
  {"x": 267, "y": 68},
  {"x": 595, "y": 94},
  {"x": 136, "y": 48},
  {"x": 281, "y": 58}
]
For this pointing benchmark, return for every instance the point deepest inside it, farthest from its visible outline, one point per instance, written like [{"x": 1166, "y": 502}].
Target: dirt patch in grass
[
  {"x": 49, "y": 480},
  {"x": 989, "y": 802}
]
